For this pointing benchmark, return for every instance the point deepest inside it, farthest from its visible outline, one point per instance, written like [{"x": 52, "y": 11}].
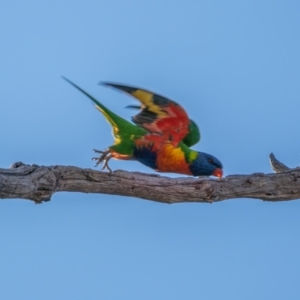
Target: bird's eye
[{"x": 210, "y": 160}]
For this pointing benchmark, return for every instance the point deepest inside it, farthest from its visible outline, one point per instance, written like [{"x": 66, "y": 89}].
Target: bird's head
[{"x": 206, "y": 165}]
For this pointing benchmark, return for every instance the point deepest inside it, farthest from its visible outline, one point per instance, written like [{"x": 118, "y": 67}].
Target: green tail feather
[{"x": 124, "y": 132}]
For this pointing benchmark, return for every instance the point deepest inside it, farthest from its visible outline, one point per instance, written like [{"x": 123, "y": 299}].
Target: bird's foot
[{"x": 104, "y": 157}]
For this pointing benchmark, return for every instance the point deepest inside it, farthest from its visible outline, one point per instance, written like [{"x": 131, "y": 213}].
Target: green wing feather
[{"x": 193, "y": 137}]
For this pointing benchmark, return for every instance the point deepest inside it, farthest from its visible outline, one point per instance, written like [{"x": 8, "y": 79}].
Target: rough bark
[{"x": 39, "y": 183}]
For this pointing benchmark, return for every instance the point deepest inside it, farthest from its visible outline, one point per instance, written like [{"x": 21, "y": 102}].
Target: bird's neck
[{"x": 190, "y": 155}]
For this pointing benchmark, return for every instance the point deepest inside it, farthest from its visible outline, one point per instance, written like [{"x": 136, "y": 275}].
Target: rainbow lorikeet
[{"x": 160, "y": 139}]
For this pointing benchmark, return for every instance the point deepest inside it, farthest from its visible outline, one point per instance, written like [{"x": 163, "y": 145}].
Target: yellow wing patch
[{"x": 147, "y": 100}]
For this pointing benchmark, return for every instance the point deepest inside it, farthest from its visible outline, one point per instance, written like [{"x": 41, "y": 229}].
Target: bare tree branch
[{"x": 39, "y": 183}]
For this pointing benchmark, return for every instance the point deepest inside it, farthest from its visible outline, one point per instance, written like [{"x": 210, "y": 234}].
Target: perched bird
[{"x": 156, "y": 141}]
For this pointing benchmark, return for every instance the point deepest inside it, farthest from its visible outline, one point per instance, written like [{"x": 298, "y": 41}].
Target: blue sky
[{"x": 234, "y": 66}]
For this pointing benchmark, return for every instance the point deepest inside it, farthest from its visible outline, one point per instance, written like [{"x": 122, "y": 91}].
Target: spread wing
[{"x": 161, "y": 116}]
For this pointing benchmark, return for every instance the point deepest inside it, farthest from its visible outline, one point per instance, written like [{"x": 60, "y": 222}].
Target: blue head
[{"x": 206, "y": 165}]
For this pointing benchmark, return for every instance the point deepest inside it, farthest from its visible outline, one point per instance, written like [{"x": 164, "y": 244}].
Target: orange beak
[{"x": 218, "y": 173}]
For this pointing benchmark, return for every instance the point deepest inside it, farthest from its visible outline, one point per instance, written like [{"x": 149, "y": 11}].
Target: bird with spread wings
[{"x": 160, "y": 137}]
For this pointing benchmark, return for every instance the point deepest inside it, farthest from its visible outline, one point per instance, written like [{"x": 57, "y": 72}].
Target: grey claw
[
  {"x": 98, "y": 151},
  {"x": 105, "y": 157}
]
